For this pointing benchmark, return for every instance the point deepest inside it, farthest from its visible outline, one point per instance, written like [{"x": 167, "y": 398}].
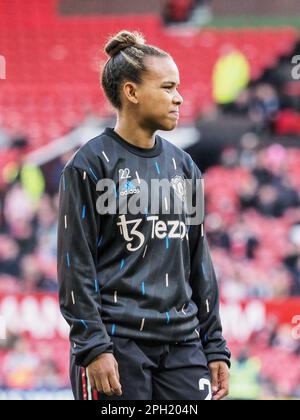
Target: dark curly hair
[{"x": 127, "y": 51}]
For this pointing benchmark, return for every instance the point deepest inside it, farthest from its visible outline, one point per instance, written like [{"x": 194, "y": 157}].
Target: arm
[
  {"x": 206, "y": 296},
  {"x": 79, "y": 295},
  {"x": 78, "y": 227}
]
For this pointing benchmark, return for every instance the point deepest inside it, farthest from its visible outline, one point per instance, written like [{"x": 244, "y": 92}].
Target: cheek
[
  {"x": 150, "y": 100},
  {"x": 163, "y": 101},
  {"x": 156, "y": 104}
]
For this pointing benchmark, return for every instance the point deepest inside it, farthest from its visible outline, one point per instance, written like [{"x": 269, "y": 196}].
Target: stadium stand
[
  {"x": 252, "y": 191},
  {"x": 46, "y": 54}
]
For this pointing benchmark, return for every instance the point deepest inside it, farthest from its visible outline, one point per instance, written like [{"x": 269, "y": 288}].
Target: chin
[{"x": 168, "y": 127}]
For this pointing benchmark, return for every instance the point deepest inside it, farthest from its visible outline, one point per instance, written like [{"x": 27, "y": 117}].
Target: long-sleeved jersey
[{"x": 145, "y": 276}]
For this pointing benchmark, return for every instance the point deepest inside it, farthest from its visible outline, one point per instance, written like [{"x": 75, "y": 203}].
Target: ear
[{"x": 130, "y": 92}]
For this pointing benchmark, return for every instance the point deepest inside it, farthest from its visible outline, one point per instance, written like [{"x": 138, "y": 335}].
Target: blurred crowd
[
  {"x": 28, "y": 227},
  {"x": 27, "y": 364},
  {"x": 259, "y": 103},
  {"x": 177, "y": 11},
  {"x": 253, "y": 225},
  {"x": 268, "y": 366},
  {"x": 27, "y": 241},
  {"x": 252, "y": 193}
]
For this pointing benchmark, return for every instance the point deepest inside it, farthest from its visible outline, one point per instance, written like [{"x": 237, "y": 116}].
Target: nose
[{"x": 178, "y": 99}]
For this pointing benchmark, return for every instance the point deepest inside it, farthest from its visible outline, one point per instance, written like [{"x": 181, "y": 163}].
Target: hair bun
[{"x": 122, "y": 40}]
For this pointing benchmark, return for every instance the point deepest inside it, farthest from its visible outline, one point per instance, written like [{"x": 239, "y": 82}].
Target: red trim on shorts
[{"x": 84, "y": 384}]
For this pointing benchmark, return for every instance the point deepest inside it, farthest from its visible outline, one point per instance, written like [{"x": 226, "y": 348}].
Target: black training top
[{"x": 145, "y": 276}]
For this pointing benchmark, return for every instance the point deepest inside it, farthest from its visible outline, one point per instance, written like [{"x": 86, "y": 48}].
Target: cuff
[
  {"x": 218, "y": 358},
  {"x": 93, "y": 354}
]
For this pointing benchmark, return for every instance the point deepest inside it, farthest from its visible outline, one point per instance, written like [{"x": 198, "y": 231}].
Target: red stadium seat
[{"x": 48, "y": 55}]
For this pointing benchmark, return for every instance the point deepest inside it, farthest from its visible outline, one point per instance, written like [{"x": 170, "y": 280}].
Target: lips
[{"x": 175, "y": 113}]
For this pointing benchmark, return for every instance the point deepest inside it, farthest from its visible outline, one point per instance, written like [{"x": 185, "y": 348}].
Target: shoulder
[
  {"x": 181, "y": 156},
  {"x": 88, "y": 157}
]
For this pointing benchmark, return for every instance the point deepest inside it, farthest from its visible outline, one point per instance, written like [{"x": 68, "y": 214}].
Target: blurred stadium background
[{"x": 240, "y": 121}]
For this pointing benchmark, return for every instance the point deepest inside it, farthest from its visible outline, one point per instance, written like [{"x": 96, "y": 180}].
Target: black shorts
[{"x": 152, "y": 372}]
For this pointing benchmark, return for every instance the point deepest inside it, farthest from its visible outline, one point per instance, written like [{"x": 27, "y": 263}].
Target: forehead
[{"x": 161, "y": 69}]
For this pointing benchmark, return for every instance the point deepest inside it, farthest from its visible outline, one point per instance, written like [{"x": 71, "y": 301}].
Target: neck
[{"x": 133, "y": 133}]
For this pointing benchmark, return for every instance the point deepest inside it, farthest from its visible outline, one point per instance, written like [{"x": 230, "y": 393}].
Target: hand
[
  {"x": 219, "y": 379},
  {"x": 104, "y": 375}
]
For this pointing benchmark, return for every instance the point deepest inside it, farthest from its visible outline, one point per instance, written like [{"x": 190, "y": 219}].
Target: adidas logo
[{"x": 129, "y": 189}]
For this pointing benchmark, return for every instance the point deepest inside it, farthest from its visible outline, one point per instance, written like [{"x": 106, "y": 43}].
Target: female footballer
[{"x": 138, "y": 288}]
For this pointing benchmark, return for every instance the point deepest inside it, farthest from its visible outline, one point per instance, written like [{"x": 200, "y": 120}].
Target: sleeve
[
  {"x": 79, "y": 296},
  {"x": 205, "y": 289}
]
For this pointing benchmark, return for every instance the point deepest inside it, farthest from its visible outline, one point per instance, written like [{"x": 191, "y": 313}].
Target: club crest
[{"x": 179, "y": 185}]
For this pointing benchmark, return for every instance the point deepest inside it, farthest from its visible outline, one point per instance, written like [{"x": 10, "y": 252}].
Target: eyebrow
[{"x": 169, "y": 82}]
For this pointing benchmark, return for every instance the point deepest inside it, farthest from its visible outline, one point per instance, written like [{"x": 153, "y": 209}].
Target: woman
[{"x": 138, "y": 289}]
